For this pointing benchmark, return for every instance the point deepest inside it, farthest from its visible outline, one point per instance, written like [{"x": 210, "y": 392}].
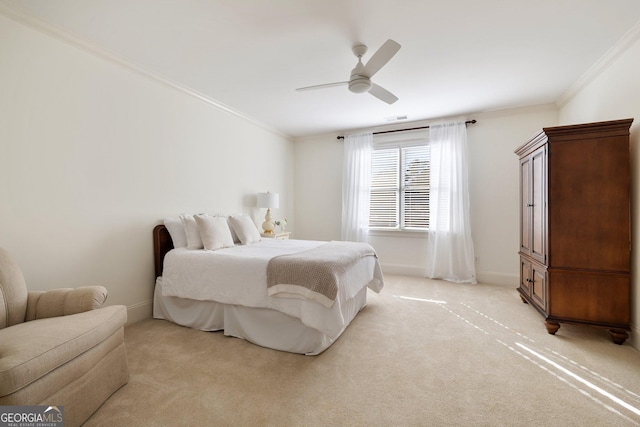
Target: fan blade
[
  {"x": 322, "y": 86},
  {"x": 381, "y": 57},
  {"x": 382, "y": 94}
]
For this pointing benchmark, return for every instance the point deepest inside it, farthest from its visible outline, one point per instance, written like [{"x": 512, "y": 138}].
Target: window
[{"x": 400, "y": 188}]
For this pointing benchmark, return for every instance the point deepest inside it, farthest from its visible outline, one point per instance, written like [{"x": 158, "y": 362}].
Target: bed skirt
[{"x": 262, "y": 326}]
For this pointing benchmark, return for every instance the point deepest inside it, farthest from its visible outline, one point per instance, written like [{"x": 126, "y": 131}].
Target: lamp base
[{"x": 268, "y": 226}]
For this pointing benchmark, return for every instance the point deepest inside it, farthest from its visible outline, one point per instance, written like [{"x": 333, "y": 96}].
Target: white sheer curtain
[
  {"x": 450, "y": 254},
  {"x": 356, "y": 187}
]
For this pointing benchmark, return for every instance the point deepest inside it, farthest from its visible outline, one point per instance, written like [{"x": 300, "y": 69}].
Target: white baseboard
[
  {"x": 402, "y": 270},
  {"x": 140, "y": 311},
  {"x": 634, "y": 337},
  {"x": 489, "y": 277},
  {"x": 503, "y": 279}
]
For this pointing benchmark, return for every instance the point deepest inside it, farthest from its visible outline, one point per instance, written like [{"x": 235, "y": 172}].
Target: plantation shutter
[
  {"x": 416, "y": 164},
  {"x": 384, "y": 207}
]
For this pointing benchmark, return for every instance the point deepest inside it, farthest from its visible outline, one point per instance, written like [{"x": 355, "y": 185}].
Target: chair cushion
[
  {"x": 32, "y": 349},
  {"x": 13, "y": 292}
]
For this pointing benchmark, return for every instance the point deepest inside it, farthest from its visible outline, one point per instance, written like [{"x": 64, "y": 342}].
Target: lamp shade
[{"x": 268, "y": 200}]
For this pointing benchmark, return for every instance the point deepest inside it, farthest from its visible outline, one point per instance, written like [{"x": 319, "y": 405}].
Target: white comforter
[{"x": 238, "y": 276}]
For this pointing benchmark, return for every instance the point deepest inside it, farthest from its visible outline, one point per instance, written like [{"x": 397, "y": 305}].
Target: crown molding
[
  {"x": 628, "y": 39},
  {"x": 22, "y": 17}
]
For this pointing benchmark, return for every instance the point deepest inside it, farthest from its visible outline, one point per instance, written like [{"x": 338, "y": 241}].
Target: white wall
[
  {"x": 614, "y": 93},
  {"x": 494, "y": 187},
  {"x": 94, "y": 154},
  {"x": 318, "y": 188},
  {"x": 494, "y": 196}
]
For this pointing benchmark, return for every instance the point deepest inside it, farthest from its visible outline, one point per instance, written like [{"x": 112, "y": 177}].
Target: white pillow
[
  {"x": 236, "y": 239},
  {"x": 194, "y": 241},
  {"x": 176, "y": 231},
  {"x": 245, "y": 229},
  {"x": 214, "y": 232}
]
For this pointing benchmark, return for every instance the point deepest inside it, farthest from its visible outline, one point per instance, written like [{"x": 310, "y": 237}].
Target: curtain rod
[{"x": 404, "y": 130}]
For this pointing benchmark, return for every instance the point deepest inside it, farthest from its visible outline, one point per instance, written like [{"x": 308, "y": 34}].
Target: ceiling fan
[{"x": 360, "y": 80}]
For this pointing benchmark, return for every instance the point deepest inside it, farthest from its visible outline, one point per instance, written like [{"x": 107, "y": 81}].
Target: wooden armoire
[{"x": 575, "y": 240}]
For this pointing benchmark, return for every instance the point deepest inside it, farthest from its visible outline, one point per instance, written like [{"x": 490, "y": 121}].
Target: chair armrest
[{"x": 64, "y": 301}]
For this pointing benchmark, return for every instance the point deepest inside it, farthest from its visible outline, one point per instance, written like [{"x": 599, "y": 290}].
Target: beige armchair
[{"x": 59, "y": 347}]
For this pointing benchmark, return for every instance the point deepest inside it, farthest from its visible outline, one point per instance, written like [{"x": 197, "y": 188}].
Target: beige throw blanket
[{"x": 314, "y": 274}]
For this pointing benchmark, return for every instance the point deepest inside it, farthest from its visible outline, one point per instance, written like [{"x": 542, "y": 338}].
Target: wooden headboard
[{"x": 162, "y": 244}]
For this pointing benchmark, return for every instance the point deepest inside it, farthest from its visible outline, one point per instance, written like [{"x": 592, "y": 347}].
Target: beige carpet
[{"x": 422, "y": 353}]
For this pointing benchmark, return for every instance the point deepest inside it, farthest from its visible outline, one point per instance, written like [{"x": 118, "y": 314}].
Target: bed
[{"x": 237, "y": 290}]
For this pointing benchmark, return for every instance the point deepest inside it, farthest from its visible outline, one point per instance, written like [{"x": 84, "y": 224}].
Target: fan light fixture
[{"x": 360, "y": 85}]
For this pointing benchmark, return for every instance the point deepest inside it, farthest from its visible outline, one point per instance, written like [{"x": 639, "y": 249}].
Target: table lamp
[{"x": 268, "y": 200}]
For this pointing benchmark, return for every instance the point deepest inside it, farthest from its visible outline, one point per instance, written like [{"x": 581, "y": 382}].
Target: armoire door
[
  {"x": 537, "y": 206},
  {"x": 525, "y": 203},
  {"x": 533, "y": 205}
]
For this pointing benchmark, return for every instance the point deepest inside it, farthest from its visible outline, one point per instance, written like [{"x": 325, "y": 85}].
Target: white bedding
[{"x": 238, "y": 276}]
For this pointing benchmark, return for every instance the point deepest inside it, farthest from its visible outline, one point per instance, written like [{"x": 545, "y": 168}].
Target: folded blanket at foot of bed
[{"x": 314, "y": 274}]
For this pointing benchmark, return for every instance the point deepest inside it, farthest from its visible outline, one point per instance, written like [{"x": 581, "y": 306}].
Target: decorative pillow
[
  {"x": 236, "y": 239},
  {"x": 245, "y": 229},
  {"x": 194, "y": 241},
  {"x": 176, "y": 231},
  {"x": 214, "y": 232}
]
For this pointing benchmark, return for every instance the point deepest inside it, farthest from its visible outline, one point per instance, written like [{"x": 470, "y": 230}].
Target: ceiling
[{"x": 457, "y": 57}]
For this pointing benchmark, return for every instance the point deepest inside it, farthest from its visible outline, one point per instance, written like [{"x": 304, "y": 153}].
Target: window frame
[{"x": 400, "y": 141}]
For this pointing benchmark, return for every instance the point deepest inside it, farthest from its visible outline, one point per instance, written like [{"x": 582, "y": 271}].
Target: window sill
[{"x": 399, "y": 233}]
